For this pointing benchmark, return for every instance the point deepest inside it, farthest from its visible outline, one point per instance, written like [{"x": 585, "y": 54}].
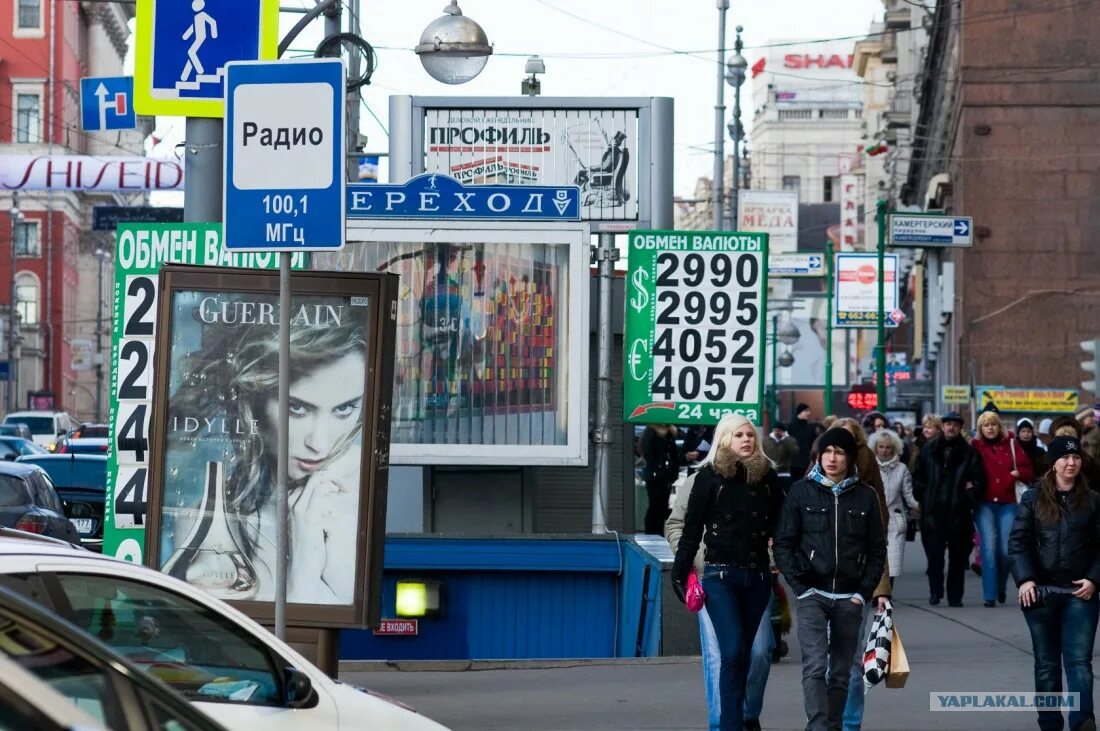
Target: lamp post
[
  {"x": 719, "y": 112},
  {"x": 785, "y": 334},
  {"x": 13, "y": 368},
  {"x": 453, "y": 49},
  {"x": 101, "y": 256},
  {"x": 735, "y": 75},
  {"x": 880, "y": 350},
  {"x": 829, "y": 293}
]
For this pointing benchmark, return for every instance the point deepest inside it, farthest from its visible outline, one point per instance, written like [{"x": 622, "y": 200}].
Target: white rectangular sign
[
  {"x": 796, "y": 265},
  {"x": 773, "y": 212},
  {"x": 922, "y": 229},
  {"x": 857, "y": 290},
  {"x": 849, "y": 212}
]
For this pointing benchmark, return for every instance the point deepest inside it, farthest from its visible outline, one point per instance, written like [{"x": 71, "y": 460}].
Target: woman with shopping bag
[{"x": 1054, "y": 551}]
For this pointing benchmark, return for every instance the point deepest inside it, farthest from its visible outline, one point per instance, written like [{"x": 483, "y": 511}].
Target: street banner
[
  {"x": 857, "y": 290},
  {"x": 140, "y": 251},
  {"x": 99, "y": 174},
  {"x": 849, "y": 212},
  {"x": 215, "y": 437},
  {"x": 771, "y": 212},
  {"x": 695, "y": 330},
  {"x": 1029, "y": 400},
  {"x": 955, "y": 394}
]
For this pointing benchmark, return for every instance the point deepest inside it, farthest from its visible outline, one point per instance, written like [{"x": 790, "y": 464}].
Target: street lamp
[
  {"x": 735, "y": 75},
  {"x": 13, "y": 369},
  {"x": 531, "y": 86},
  {"x": 101, "y": 255},
  {"x": 785, "y": 334},
  {"x": 453, "y": 49}
]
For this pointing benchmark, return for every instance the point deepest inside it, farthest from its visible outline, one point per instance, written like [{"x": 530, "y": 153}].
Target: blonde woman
[
  {"x": 735, "y": 498},
  {"x": 898, "y": 486}
]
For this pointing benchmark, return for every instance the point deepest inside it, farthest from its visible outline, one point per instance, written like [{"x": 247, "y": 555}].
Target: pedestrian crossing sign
[{"x": 182, "y": 47}]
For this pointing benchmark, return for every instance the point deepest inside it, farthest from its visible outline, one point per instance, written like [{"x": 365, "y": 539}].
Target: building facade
[{"x": 46, "y": 47}]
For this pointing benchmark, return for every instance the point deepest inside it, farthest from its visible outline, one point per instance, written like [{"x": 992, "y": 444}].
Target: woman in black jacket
[
  {"x": 662, "y": 467},
  {"x": 736, "y": 498},
  {"x": 1054, "y": 553}
]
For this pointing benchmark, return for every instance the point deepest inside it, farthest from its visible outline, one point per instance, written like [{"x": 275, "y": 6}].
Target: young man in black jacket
[{"x": 831, "y": 547}]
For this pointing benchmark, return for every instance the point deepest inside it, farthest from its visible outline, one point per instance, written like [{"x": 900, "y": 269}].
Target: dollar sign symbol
[{"x": 640, "y": 300}]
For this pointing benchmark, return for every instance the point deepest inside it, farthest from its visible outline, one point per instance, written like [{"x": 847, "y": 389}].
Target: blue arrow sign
[
  {"x": 441, "y": 196},
  {"x": 107, "y": 102},
  {"x": 962, "y": 227}
]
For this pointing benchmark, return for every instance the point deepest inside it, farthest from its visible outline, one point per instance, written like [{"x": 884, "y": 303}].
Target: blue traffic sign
[
  {"x": 440, "y": 196},
  {"x": 107, "y": 102},
  {"x": 284, "y": 155},
  {"x": 928, "y": 230}
]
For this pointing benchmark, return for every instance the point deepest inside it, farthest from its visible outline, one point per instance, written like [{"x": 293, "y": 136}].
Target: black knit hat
[
  {"x": 952, "y": 416},
  {"x": 800, "y": 408},
  {"x": 1061, "y": 446},
  {"x": 838, "y": 437}
]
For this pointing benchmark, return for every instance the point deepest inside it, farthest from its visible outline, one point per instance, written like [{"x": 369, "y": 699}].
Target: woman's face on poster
[{"x": 325, "y": 406}]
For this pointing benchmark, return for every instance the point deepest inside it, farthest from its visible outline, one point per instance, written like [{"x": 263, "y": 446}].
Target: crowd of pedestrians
[{"x": 831, "y": 505}]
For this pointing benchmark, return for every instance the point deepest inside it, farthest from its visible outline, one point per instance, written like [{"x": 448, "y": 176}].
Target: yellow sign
[
  {"x": 182, "y": 46},
  {"x": 955, "y": 394},
  {"x": 1056, "y": 400}
]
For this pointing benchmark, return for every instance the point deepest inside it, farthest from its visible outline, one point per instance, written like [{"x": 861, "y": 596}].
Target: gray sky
[{"x": 584, "y": 59}]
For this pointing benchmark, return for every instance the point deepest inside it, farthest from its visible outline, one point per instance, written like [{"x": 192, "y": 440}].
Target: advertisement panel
[
  {"x": 488, "y": 360},
  {"x": 140, "y": 251},
  {"x": 100, "y": 174},
  {"x": 771, "y": 212},
  {"x": 694, "y": 340},
  {"x": 807, "y": 73},
  {"x": 857, "y": 290},
  {"x": 1037, "y": 400},
  {"x": 810, "y": 316},
  {"x": 849, "y": 212},
  {"x": 212, "y": 514}
]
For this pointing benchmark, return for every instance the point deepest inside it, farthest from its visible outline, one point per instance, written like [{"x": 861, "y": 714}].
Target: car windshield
[
  {"x": 24, "y": 446},
  {"x": 74, "y": 472},
  {"x": 37, "y": 424},
  {"x": 11, "y": 430},
  {"x": 98, "y": 431}
]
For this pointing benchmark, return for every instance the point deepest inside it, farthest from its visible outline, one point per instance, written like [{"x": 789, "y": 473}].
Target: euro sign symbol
[{"x": 640, "y": 300}]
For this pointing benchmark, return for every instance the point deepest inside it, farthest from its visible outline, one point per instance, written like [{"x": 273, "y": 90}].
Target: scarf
[
  {"x": 756, "y": 465},
  {"x": 888, "y": 464},
  {"x": 819, "y": 476}
]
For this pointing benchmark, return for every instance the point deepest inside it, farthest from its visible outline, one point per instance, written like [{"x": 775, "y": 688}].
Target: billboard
[
  {"x": 808, "y": 74},
  {"x": 857, "y": 277},
  {"x": 488, "y": 360},
  {"x": 809, "y": 315},
  {"x": 617, "y": 151},
  {"x": 773, "y": 212},
  {"x": 212, "y": 514}
]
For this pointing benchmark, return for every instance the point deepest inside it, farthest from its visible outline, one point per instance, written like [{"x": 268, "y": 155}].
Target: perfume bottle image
[{"x": 210, "y": 557}]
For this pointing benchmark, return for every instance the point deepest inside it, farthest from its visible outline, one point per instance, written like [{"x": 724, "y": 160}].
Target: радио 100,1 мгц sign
[{"x": 695, "y": 327}]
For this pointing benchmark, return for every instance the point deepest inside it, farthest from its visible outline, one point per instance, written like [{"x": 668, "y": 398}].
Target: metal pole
[
  {"x": 353, "y": 105},
  {"x": 735, "y": 187},
  {"x": 829, "y": 327},
  {"x": 99, "y": 342},
  {"x": 282, "y": 506},
  {"x": 202, "y": 188},
  {"x": 601, "y": 436},
  {"x": 880, "y": 350},
  {"x": 12, "y": 365},
  {"x": 775, "y": 368},
  {"x": 719, "y": 113}
]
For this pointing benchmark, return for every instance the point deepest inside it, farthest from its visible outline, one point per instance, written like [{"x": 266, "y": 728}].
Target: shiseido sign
[{"x": 94, "y": 174}]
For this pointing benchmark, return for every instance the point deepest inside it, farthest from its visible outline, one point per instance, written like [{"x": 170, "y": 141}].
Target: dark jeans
[
  {"x": 958, "y": 549},
  {"x": 828, "y": 632},
  {"x": 659, "y": 490},
  {"x": 736, "y": 600},
  {"x": 1063, "y": 632}
]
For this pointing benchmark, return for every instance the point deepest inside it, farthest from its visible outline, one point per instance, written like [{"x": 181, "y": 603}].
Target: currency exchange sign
[{"x": 695, "y": 327}]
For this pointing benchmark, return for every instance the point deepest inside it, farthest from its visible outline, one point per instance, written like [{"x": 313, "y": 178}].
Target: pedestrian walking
[
  {"x": 782, "y": 450},
  {"x": 763, "y": 645},
  {"x": 831, "y": 547},
  {"x": 735, "y": 500},
  {"x": 930, "y": 428},
  {"x": 1036, "y": 450},
  {"x": 804, "y": 431},
  {"x": 662, "y": 467},
  {"x": 1044, "y": 432},
  {"x": 1005, "y": 462},
  {"x": 900, "y": 503},
  {"x": 1055, "y": 554},
  {"x": 948, "y": 484},
  {"x": 1068, "y": 426}
]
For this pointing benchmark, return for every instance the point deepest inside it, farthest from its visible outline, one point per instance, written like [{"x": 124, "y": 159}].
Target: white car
[
  {"x": 229, "y": 666},
  {"x": 46, "y": 426}
]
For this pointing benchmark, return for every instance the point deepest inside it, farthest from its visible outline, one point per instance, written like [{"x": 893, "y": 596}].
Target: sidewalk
[{"x": 967, "y": 649}]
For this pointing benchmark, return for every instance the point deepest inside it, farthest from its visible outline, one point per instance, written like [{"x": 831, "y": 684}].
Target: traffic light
[{"x": 1092, "y": 366}]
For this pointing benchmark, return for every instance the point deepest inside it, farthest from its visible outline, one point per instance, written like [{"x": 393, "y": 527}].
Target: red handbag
[{"x": 695, "y": 597}]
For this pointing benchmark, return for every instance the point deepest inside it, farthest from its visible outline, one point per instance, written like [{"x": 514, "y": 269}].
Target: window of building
[
  {"x": 26, "y": 298},
  {"x": 792, "y": 182},
  {"x": 831, "y": 189},
  {"x": 834, "y": 113},
  {"x": 796, "y": 113},
  {"x": 28, "y": 117},
  {"x": 28, "y": 15},
  {"x": 26, "y": 239}
]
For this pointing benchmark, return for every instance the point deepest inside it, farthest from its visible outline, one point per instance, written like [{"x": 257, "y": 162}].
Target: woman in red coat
[{"x": 1005, "y": 462}]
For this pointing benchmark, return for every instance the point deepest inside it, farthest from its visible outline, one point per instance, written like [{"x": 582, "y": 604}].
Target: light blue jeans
[
  {"x": 994, "y": 524},
  {"x": 853, "y": 709},
  {"x": 763, "y": 645}
]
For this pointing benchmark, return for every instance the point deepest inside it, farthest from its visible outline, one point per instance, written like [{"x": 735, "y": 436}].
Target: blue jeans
[
  {"x": 1063, "y": 633},
  {"x": 853, "y": 709},
  {"x": 736, "y": 600},
  {"x": 760, "y": 665},
  {"x": 994, "y": 524}
]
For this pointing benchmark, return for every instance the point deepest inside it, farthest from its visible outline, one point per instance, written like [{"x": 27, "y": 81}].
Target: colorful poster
[
  {"x": 1029, "y": 400},
  {"x": 773, "y": 212},
  {"x": 857, "y": 279}
]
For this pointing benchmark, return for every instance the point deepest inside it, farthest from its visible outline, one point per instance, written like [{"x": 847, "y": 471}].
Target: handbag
[
  {"x": 876, "y": 653},
  {"x": 897, "y": 671},
  {"x": 910, "y": 529},
  {"x": 1021, "y": 487},
  {"x": 694, "y": 596}
]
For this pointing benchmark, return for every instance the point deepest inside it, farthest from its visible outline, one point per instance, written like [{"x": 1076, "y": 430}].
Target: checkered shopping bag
[{"x": 876, "y": 654}]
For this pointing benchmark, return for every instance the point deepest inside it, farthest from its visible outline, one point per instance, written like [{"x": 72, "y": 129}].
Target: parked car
[
  {"x": 89, "y": 430},
  {"x": 45, "y": 426},
  {"x": 81, "y": 481},
  {"x": 16, "y": 429},
  {"x": 87, "y": 674},
  {"x": 12, "y": 447},
  {"x": 229, "y": 666},
  {"x": 82, "y": 445},
  {"x": 29, "y": 502}
]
